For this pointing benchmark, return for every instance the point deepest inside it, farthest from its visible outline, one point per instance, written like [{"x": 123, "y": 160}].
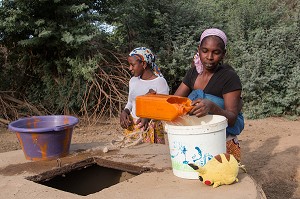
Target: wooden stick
[{"x": 4, "y": 121}]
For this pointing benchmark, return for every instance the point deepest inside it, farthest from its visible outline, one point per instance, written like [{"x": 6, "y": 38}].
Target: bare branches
[
  {"x": 12, "y": 108},
  {"x": 107, "y": 92}
]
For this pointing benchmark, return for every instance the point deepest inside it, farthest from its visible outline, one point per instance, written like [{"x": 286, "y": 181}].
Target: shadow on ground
[{"x": 278, "y": 181}]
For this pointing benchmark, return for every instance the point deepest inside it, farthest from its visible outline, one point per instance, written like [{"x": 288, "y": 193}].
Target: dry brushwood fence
[
  {"x": 107, "y": 91},
  {"x": 12, "y": 108},
  {"x": 104, "y": 97}
]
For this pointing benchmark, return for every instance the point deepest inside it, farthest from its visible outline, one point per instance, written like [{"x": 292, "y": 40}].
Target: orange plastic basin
[{"x": 162, "y": 107}]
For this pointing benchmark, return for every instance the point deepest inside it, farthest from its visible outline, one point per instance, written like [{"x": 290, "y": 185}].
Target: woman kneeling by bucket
[{"x": 214, "y": 87}]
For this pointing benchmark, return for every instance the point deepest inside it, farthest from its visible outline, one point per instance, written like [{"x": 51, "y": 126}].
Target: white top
[{"x": 138, "y": 86}]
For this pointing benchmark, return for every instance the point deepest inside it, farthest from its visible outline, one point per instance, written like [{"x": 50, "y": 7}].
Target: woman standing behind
[
  {"x": 214, "y": 87},
  {"x": 146, "y": 76}
]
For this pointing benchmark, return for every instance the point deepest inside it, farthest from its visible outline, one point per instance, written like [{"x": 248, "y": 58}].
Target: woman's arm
[
  {"x": 232, "y": 105},
  {"x": 125, "y": 119},
  {"x": 183, "y": 90}
]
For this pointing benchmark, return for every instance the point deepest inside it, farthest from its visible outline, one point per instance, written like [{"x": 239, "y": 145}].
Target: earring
[{"x": 221, "y": 62}]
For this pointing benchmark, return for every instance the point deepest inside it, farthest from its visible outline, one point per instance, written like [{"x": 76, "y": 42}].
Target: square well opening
[{"x": 87, "y": 177}]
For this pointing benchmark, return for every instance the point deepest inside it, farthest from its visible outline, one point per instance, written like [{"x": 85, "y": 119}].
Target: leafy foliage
[
  {"x": 56, "y": 54},
  {"x": 265, "y": 55},
  {"x": 51, "y": 49}
]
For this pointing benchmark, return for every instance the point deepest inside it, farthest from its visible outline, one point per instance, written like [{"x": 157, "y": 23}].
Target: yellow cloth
[{"x": 154, "y": 133}]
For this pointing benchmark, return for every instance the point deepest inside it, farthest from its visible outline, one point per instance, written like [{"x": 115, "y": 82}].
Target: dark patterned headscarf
[{"x": 145, "y": 54}]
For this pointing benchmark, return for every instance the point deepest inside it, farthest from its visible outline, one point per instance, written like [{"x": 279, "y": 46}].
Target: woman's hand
[
  {"x": 143, "y": 123},
  {"x": 151, "y": 91},
  {"x": 125, "y": 119},
  {"x": 201, "y": 107}
]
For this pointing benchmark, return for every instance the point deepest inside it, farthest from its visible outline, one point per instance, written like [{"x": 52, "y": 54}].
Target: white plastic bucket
[{"x": 195, "y": 140}]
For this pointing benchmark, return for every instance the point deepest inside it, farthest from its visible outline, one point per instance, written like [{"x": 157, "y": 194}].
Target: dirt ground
[{"x": 270, "y": 151}]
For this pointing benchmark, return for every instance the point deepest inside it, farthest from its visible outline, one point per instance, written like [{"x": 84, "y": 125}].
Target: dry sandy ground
[{"x": 270, "y": 149}]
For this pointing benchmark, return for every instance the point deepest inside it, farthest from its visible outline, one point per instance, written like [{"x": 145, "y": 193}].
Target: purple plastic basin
[{"x": 44, "y": 137}]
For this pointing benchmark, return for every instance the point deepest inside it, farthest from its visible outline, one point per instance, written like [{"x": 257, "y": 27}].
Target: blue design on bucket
[
  {"x": 183, "y": 151},
  {"x": 195, "y": 158},
  {"x": 174, "y": 152},
  {"x": 178, "y": 149},
  {"x": 201, "y": 160}
]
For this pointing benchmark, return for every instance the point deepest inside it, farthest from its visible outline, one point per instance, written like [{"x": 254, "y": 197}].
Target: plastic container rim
[
  {"x": 42, "y": 130},
  {"x": 200, "y": 126}
]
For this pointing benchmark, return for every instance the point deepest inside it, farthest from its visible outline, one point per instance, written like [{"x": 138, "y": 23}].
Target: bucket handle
[{"x": 61, "y": 127}]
